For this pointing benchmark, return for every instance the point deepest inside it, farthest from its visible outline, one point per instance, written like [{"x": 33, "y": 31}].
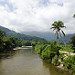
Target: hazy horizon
[{"x": 36, "y": 32}]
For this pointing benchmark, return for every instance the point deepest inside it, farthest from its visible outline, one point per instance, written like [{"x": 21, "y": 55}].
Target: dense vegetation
[
  {"x": 73, "y": 42},
  {"x": 49, "y": 36},
  {"x": 48, "y": 51},
  {"x": 11, "y": 33},
  {"x": 8, "y": 43},
  {"x": 26, "y": 43},
  {"x": 51, "y": 52},
  {"x": 69, "y": 63}
]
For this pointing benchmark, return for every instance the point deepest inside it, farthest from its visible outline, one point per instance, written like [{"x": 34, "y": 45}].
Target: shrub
[
  {"x": 50, "y": 51},
  {"x": 46, "y": 52},
  {"x": 55, "y": 60},
  {"x": 40, "y": 48},
  {"x": 70, "y": 63},
  {"x": 62, "y": 56},
  {"x": 73, "y": 42}
]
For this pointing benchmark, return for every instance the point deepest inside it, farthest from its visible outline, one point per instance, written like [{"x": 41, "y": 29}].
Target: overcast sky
[{"x": 36, "y": 15}]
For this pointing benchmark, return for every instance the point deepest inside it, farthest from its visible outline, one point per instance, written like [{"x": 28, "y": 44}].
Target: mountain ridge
[
  {"x": 50, "y": 36},
  {"x": 22, "y": 36},
  {"x": 34, "y": 35}
]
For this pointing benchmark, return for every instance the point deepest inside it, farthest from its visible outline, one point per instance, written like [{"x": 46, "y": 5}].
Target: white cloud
[{"x": 33, "y": 15}]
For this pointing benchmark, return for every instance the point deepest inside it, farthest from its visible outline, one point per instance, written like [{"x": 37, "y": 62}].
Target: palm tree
[{"x": 57, "y": 25}]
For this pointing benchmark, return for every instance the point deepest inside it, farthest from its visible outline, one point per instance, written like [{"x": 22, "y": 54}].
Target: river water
[{"x": 26, "y": 62}]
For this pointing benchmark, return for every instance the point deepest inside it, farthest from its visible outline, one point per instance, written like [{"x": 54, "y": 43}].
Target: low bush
[
  {"x": 46, "y": 54},
  {"x": 40, "y": 48},
  {"x": 48, "y": 51},
  {"x": 70, "y": 63},
  {"x": 55, "y": 60}
]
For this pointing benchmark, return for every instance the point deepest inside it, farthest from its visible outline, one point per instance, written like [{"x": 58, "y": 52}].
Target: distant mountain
[
  {"x": 68, "y": 37},
  {"x": 48, "y": 35},
  {"x": 34, "y": 35},
  {"x": 11, "y": 33}
]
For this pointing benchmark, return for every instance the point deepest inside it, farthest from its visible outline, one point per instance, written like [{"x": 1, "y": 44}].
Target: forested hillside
[
  {"x": 11, "y": 33},
  {"x": 34, "y": 35}
]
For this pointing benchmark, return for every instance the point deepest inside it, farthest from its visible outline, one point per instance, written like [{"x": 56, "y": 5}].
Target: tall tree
[
  {"x": 2, "y": 34},
  {"x": 58, "y": 25}
]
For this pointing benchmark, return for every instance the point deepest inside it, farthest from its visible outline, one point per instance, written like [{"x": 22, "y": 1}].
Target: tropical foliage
[
  {"x": 26, "y": 43},
  {"x": 70, "y": 63},
  {"x": 57, "y": 25},
  {"x": 8, "y": 43},
  {"x": 48, "y": 51},
  {"x": 73, "y": 42},
  {"x": 11, "y": 33}
]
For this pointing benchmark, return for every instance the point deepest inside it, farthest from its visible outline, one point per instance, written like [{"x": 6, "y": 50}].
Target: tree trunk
[{"x": 64, "y": 43}]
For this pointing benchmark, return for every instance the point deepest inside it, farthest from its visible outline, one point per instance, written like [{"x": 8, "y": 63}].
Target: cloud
[{"x": 36, "y": 15}]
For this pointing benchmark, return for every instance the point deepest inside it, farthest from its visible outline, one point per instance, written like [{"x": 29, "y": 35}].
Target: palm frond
[
  {"x": 52, "y": 27},
  {"x": 63, "y": 26},
  {"x": 57, "y": 25},
  {"x": 63, "y": 33}
]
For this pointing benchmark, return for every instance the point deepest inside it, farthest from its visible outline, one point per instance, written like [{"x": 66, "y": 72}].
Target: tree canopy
[
  {"x": 57, "y": 25},
  {"x": 8, "y": 43},
  {"x": 73, "y": 42}
]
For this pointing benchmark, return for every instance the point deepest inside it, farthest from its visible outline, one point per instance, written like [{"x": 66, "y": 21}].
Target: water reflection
[
  {"x": 53, "y": 70},
  {"x": 7, "y": 55},
  {"x": 25, "y": 62}
]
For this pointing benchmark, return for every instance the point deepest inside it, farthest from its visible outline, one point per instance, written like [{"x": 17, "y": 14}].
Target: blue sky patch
[
  {"x": 44, "y": 2},
  {"x": 59, "y": 4},
  {"x": 3, "y": 3},
  {"x": 47, "y": 2}
]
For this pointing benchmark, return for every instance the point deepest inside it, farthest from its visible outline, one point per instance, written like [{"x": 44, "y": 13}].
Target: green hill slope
[{"x": 11, "y": 33}]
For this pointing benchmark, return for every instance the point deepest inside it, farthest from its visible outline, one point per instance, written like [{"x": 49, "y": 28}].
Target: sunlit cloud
[{"x": 36, "y": 15}]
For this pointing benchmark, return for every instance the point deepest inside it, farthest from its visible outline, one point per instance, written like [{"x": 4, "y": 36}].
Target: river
[{"x": 26, "y": 62}]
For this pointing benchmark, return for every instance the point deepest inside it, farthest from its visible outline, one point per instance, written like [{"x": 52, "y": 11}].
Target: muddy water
[{"x": 25, "y": 62}]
